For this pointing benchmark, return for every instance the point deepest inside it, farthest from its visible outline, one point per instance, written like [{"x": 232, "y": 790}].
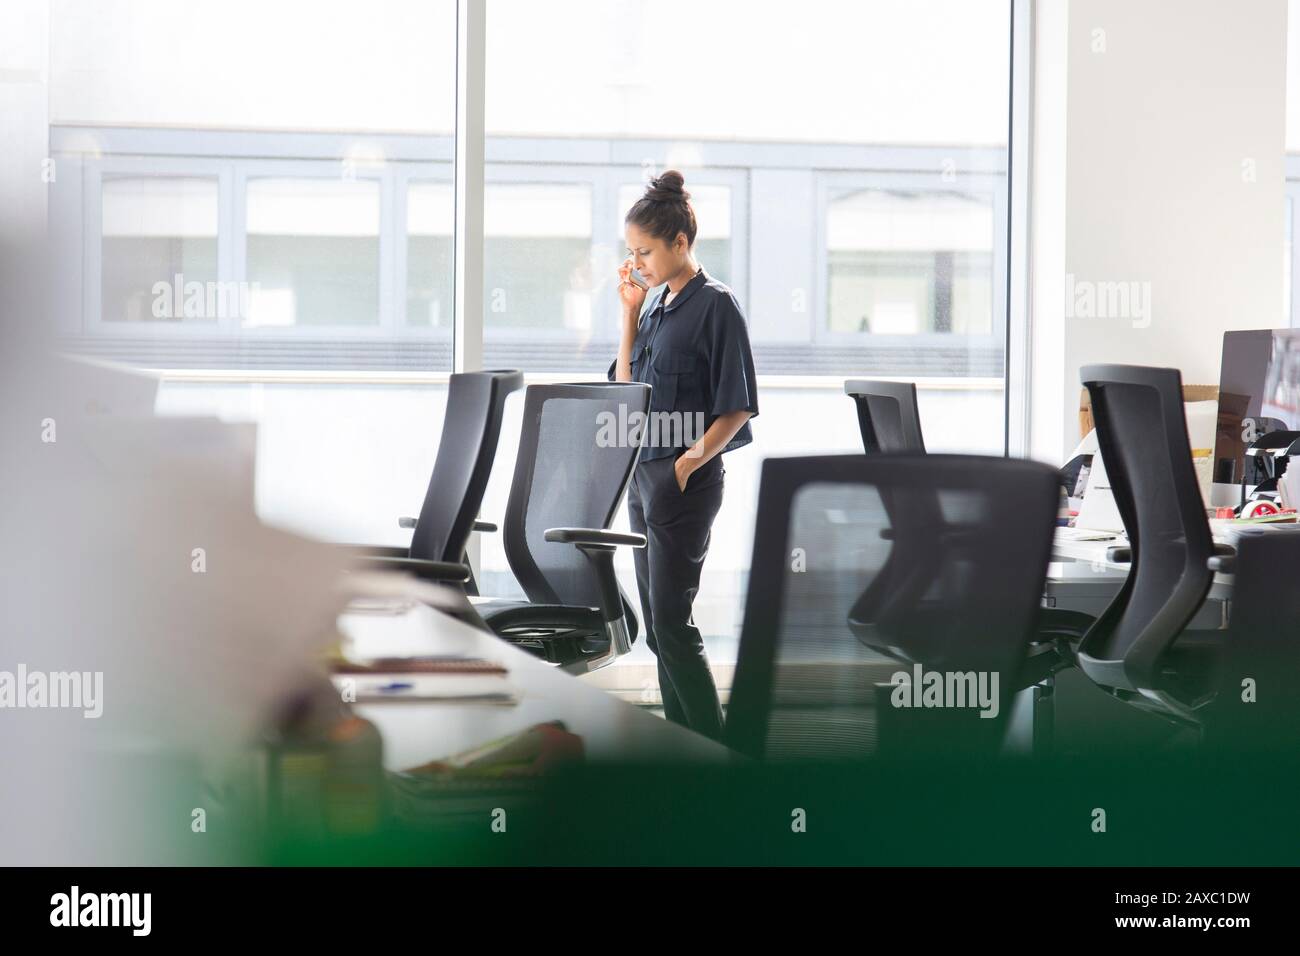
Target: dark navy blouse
[{"x": 694, "y": 353}]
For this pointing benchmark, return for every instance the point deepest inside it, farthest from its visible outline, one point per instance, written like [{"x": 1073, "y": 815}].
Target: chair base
[{"x": 576, "y": 639}]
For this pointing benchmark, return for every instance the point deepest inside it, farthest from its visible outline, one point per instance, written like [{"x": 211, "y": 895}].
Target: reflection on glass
[
  {"x": 537, "y": 257},
  {"x": 313, "y": 252},
  {"x": 159, "y": 237},
  {"x": 430, "y": 220},
  {"x": 904, "y": 263}
]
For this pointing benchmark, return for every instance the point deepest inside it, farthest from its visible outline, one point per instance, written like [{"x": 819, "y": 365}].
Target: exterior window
[
  {"x": 430, "y": 220},
  {"x": 159, "y": 236},
  {"x": 313, "y": 252},
  {"x": 537, "y": 257},
  {"x": 907, "y": 263}
]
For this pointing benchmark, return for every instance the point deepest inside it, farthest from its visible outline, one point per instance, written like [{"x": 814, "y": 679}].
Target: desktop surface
[{"x": 418, "y": 731}]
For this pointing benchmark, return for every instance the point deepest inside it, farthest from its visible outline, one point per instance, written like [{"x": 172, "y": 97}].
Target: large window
[
  {"x": 848, "y": 163},
  {"x": 313, "y": 252},
  {"x": 910, "y": 263},
  {"x": 430, "y": 219},
  {"x": 848, "y": 167},
  {"x": 158, "y": 233},
  {"x": 281, "y": 201},
  {"x": 537, "y": 256}
]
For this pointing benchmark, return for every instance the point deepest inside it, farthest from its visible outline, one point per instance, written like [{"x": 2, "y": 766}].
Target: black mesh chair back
[
  {"x": 470, "y": 430},
  {"x": 888, "y": 416},
  {"x": 890, "y": 422},
  {"x": 823, "y": 674},
  {"x": 577, "y": 450},
  {"x": 1257, "y": 708},
  {"x": 1142, "y": 437}
]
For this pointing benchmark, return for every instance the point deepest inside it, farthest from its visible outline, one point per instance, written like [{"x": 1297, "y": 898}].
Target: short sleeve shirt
[{"x": 694, "y": 354}]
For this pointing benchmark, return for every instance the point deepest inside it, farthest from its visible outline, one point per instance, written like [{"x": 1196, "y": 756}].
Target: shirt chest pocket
[{"x": 675, "y": 380}]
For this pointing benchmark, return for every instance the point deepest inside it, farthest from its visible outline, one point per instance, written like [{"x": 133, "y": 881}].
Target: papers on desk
[
  {"x": 398, "y": 688},
  {"x": 408, "y": 650},
  {"x": 436, "y": 678},
  {"x": 441, "y": 664},
  {"x": 394, "y": 595},
  {"x": 386, "y": 606},
  {"x": 466, "y": 786},
  {"x": 526, "y": 753},
  {"x": 1084, "y": 534},
  {"x": 1231, "y": 530}
]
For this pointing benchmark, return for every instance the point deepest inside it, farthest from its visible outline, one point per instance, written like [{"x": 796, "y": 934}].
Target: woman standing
[{"x": 692, "y": 347}]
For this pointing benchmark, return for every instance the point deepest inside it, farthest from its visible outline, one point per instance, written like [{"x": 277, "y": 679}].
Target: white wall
[
  {"x": 1174, "y": 149},
  {"x": 1051, "y": 28},
  {"x": 1293, "y": 77}
]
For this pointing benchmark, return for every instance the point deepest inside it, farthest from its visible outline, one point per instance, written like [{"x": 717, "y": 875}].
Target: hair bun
[{"x": 667, "y": 187}]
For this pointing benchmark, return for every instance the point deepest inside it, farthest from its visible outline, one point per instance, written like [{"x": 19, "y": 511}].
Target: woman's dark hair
[{"x": 665, "y": 209}]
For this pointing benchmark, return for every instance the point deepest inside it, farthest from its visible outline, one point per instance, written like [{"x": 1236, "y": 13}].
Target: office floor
[{"x": 634, "y": 677}]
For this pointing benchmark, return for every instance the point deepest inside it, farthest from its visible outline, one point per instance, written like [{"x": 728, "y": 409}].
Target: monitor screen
[{"x": 1259, "y": 392}]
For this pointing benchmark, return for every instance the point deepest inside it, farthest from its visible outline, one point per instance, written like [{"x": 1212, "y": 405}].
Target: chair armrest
[
  {"x": 954, "y": 534},
  {"x": 484, "y": 526},
  {"x": 1224, "y": 560},
  {"x": 442, "y": 571},
  {"x": 597, "y": 545},
  {"x": 594, "y": 536},
  {"x": 364, "y": 551},
  {"x": 1120, "y": 554}
]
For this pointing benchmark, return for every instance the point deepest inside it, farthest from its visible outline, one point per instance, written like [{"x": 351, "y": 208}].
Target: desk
[
  {"x": 415, "y": 732},
  {"x": 1079, "y": 578}
]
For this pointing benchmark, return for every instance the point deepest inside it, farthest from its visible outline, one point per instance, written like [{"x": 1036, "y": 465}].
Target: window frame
[
  {"x": 157, "y": 151},
  {"x": 404, "y": 173},
  {"x": 832, "y": 184},
  {"x": 497, "y": 173},
  {"x": 94, "y": 171},
  {"x": 320, "y": 170}
]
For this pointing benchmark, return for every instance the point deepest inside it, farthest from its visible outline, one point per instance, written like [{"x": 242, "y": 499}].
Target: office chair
[
  {"x": 572, "y": 471},
  {"x": 888, "y": 416},
  {"x": 470, "y": 431},
  {"x": 807, "y": 684},
  {"x": 890, "y": 422},
  {"x": 1256, "y": 711},
  {"x": 1138, "y": 650}
]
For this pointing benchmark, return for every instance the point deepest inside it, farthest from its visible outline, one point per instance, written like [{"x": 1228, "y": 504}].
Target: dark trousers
[{"x": 677, "y": 527}]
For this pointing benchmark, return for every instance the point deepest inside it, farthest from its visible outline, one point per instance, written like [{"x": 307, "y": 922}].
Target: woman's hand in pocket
[{"x": 683, "y": 467}]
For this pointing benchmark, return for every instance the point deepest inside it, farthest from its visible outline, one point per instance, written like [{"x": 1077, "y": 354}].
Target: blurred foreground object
[{"x": 133, "y": 555}]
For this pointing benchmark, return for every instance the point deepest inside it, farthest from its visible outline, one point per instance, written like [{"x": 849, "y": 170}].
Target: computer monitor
[{"x": 1259, "y": 392}]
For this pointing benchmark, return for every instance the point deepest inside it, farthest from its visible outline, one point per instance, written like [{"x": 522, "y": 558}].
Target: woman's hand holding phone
[{"x": 629, "y": 293}]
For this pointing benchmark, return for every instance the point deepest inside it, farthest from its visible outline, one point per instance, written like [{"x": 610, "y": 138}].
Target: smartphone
[{"x": 636, "y": 279}]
